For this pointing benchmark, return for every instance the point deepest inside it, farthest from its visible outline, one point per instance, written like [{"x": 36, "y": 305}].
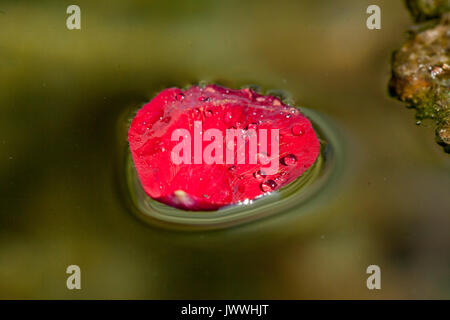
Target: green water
[{"x": 65, "y": 97}]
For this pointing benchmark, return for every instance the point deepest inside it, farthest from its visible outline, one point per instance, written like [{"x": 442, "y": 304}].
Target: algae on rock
[
  {"x": 421, "y": 67},
  {"x": 423, "y": 10}
]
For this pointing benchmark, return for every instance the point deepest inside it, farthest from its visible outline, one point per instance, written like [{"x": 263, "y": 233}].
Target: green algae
[
  {"x": 423, "y": 10},
  {"x": 421, "y": 67}
]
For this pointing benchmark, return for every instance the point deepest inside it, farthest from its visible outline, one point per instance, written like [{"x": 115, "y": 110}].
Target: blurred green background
[{"x": 63, "y": 96}]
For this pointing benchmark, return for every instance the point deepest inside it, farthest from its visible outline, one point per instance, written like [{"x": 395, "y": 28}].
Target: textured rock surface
[
  {"x": 421, "y": 69},
  {"x": 423, "y": 10}
]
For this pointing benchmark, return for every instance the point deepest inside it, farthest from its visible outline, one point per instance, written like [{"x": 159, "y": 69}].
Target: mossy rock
[
  {"x": 421, "y": 73},
  {"x": 423, "y": 10}
]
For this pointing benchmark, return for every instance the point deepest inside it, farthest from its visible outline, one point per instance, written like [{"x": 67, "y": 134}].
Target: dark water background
[{"x": 63, "y": 97}]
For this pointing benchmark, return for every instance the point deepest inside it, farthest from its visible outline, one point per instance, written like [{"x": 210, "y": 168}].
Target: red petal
[{"x": 211, "y": 186}]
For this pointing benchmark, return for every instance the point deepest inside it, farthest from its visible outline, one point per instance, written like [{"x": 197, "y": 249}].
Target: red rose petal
[{"x": 211, "y": 186}]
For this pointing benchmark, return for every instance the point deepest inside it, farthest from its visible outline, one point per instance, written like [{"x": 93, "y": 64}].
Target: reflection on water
[
  {"x": 62, "y": 197},
  {"x": 322, "y": 175}
]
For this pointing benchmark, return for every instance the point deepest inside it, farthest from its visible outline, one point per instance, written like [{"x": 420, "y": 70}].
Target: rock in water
[{"x": 421, "y": 68}]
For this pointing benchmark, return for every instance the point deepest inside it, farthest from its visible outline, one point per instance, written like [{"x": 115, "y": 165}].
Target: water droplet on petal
[
  {"x": 280, "y": 178},
  {"x": 228, "y": 117},
  {"x": 289, "y": 160},
  {"x": 249, "y": 92},
  {"x": 180, "y": 96},
  {"x": 268, "y": 185},
  {"x": 297, "y": 130},
  {"x": 208, "y": 113},
  {"x": 259, "y": 175},
  {"x": 252, "y": 126},
  {"x": 276, "y": 102}
]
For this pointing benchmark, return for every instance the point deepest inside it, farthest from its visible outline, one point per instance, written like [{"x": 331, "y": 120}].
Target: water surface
[{"x": 63, "y": 99}]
